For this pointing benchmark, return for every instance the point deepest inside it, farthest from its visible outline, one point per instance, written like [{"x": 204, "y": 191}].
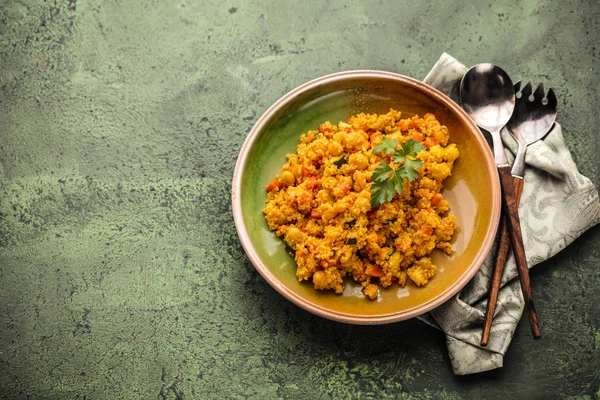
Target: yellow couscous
[{"x": 320, "y": 203}]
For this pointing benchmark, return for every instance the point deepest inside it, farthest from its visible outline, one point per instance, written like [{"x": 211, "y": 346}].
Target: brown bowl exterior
[{"x": 473, "y": 191}]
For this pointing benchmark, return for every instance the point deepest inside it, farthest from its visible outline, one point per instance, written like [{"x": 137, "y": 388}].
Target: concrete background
[{"x": 121, "y": 274}]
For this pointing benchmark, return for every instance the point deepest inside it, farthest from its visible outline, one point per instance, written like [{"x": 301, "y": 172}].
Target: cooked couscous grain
[{"x": 320, "y": 203}]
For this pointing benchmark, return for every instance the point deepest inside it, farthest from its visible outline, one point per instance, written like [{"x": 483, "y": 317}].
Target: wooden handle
[
  {"x": 518, "y": 183},
  {"x": 511, "y": 208},
  {"x": 503, "y": 249}
]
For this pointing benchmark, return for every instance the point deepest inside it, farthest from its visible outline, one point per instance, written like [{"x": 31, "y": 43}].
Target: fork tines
[{"x": 538, "y": 94}]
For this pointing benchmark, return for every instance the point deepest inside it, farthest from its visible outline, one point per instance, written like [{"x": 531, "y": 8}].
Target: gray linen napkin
[{"x": 558, "y": 204}]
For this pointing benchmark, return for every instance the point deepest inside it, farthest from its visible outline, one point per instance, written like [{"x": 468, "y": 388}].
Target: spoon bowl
[{"x": 488, "y": 96}]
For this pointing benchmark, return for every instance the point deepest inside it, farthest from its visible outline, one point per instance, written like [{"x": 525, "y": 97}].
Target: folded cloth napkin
[{"x": 558, "y": 204}]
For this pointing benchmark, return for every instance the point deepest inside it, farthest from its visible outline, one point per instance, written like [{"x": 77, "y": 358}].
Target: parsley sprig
[{"x": 386, "y": 180}]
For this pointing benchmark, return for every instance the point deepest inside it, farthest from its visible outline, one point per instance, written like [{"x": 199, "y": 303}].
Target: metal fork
[{"x": 532, "y": 119}]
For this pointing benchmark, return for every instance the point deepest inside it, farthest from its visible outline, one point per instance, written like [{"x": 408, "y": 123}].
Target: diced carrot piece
[
  {"x": 314, "y": 214},
  {"x": 413, "y": 123},
  {"x": 436, "y": 199},
  {"x": 305, "y": 168},
  {"x": 417, "y": 136},
  {"x": 376, "y": 271},
  {"x": 304, "y": 197},
  {"x": 300, "y": 253},
  {"x": 312, "y": 181},
  {"x": 274, "y": 185},
  {"x": 427, "y": 230},
  {"x": 344, "y": 187},
  {"x": 374, "y": 138},
  {"x": 348, "y": 130},
  {"x": 402, "y": 125},
  {"x": 324, "y": 128},
  {"x": 429, "y": 142}
]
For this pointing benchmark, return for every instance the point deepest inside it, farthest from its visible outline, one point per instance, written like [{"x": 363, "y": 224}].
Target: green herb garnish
[
  {"x": 388, "y": 146},
  {"x": 289, "y": 249},
  {"x": 351, "y": 223},
  {"x": 351, "y": 241},
  {"x": 388, "y": 181},
  {"x": 409, "y": 148},
  {"x": 340, "y": 161}
]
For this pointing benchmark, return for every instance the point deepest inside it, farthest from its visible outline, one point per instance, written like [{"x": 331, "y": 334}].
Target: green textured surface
[{"x": 121, "y": 275}]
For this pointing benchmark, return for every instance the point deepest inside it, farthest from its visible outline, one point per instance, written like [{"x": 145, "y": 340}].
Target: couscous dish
[{"x": 324, "y": 204}]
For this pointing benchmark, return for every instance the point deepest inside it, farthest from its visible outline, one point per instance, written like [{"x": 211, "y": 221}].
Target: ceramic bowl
[{"x": 473, "y": 191}]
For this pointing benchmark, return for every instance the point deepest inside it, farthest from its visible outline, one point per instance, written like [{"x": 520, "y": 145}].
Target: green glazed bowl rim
[{"x": 322, "y": 311}]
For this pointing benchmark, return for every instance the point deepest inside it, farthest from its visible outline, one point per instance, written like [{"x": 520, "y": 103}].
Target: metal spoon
[{"x": 488, "y": 96}]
